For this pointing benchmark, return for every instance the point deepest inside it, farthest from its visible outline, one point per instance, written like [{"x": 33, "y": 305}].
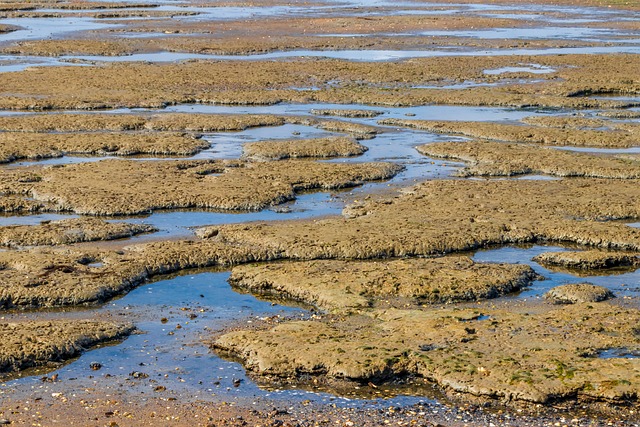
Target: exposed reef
[
  {"x": 503, "y": 159},
  {"x": 348, "y": 284}
]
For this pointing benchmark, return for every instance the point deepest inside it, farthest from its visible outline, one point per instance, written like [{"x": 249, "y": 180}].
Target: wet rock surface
[
  {"x": 292, "y": 149},
  {"x": 97, "y": 189},
  {"x": 65, "y": 232},
  {"x": 589, "y": 260},
  {"x": 503, "y": 159},
  {"x": 35, "y": 146},
  {"x": 399, "y": 323},
  {"x": 520, "y": 133},
  {"x": 349, "y": 284},
  {"x": 454, "y": 215},
  {"x": 31, "y": 344},
  {"x": 458, "y": 350},
  {"x": 578, "y": 293},
  {"x": 233, "y": 82}
]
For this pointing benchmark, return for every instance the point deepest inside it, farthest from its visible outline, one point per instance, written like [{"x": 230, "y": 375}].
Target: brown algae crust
[
  {"x": 567, "y": 122},
  {"x": 397, "y": 227},
  {"x": 50, "y": 277},
  {"x": 476, "y": 351},
  {"x": 268, "y": 82},
  {"x": 522, "y": 133},
  {"x": 503, "y": 159},
  {"x": 333, "y": 284},
  {"x": 439, "y": 217},
  {"x": 69, "y": 231},
  {"x": 338, "y": 24},
  {"x": 97, "y": 122},
  {"x": 588, "y": 260},
  {"x": 18, "y": 146},
  {"x": 119, "y": 187},
  {"x": 521, "y": 352},
  {"x": 110, "y": 45},
  {"x": 28, "y": 344},
  {"x": 301, "y": 148},
  {"x": 353, "y": 113},
  {"x": 578, "y": 293},
  {"x": 535, "y": 357}
]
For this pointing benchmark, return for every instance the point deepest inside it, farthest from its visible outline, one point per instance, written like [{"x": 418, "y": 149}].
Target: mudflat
[
  {"x": 37, "y": 343},
  {"x": 503, "y": 159},
  {"x": 119, "y": 187},
  {"x": 331, "y": 284},
  {"x": 321, "y": 106}
]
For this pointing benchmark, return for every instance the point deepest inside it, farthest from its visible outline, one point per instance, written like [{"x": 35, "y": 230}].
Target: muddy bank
[
  {"x": 522, "y": 133},
  {"x": 503, "y": 159},
  {"x": 100, "y": 122},
  {"x": 353, "y": 284},
  {"x": 578, "y": 293},
  {"x": 28, "y": 344},
  {"x": 324, "y": 25},
  {"x": 357, "y": 130},
  {"x": 570, "y": 122},
  {"x": 434, "y": 218},
  {"x": 589, "y": 260},
  {"x": 73, "y": 5},
  {"x": 106, "y": 43},
  {"x": 616, "y": 114},
  {"x": 20, "y": 146},
  {"x": 69, "y": 231},
  {"x": 64, "y": 276},
  {"x": 301, "y": 148},
  {"x": 269, "y": 82},
  {"x": 61, "y": 277},
  {"x": 346, "y": 113},
  {"x": 50, "y": 277},
  {"x": 119, "y": 187},
  {"x": 446, "y": 216},
  {"x": 586, "y": 123},
  {"x": 479, "y": 352},
  {"x": 110, "y": 14}
]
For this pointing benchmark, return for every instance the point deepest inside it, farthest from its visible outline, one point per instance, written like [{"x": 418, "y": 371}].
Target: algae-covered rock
[
  {"x": 346, "y": 113},
  {"x": 521, "y": 133},
  {"x": 343, "y": 284},
  {"x": 503, "y": 159},
  {"x": 118, "y": 187},
  {"x": 301, "y": 148},
  {"x": 167, "y": 122},
  {"x": 535, "y": 357},
  {"x": 589, "y": 260},
  {"x": 29, "y": 344},
  {"x": 69, "y": 231},
  {"x": 453, "y": 215},
  {"x": 577, "y": 293},
  {"x": 16, "y": 146}
]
